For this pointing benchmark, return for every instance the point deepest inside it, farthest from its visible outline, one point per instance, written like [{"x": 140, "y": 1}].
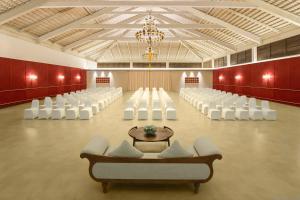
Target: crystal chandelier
[{"x": 150, "y": 33}]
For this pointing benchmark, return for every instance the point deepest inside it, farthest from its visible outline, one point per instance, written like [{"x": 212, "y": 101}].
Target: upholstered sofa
[{"x": 150, "y": 168}]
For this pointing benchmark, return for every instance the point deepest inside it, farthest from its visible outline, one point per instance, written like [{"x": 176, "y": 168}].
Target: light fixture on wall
[
  {"x": 221, "y": 78},
  {"x": 61, "y": 77},
  {"x": 238, "y": 77},
  {"x": 78, "y": 77},
  {"x": 267, "y": 77},
  {"x": 32, "y": 77}
]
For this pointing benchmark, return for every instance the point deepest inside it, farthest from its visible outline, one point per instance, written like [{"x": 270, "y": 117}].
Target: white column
[
  {"x": 213, "y": 63},
  {"x": 254, "y": 54},
  {"x": 131, "y": 64},
  {"x": 167, "y": 64},
  {"x": 228, "y": 60}
]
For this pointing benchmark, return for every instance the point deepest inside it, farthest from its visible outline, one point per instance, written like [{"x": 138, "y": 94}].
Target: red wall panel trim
[
  {"x": 282, "y": 83},
  {"x": 18, "y": 86}
]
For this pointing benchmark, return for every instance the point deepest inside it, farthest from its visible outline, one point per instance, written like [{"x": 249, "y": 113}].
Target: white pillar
[
  {"x": 254, "y": 54},
  {"x": 228, "y": 60},
  {"x": 131, "y": 64},
  {"x": 167, "y": 64},
  {"x": 213, "y": 63}
]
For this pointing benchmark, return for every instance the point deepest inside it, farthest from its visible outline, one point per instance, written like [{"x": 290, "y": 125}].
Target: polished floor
[{"x": 40, "y": 158}]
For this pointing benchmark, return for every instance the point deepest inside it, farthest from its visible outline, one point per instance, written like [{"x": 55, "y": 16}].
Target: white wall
[{"x": 11, "y": 47}]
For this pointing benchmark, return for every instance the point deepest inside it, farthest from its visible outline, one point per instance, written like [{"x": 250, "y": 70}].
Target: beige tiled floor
[{"x": 40, "y": 158}]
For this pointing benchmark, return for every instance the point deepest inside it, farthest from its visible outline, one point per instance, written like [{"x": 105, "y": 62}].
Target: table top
[{"x": 162, "y": 134}]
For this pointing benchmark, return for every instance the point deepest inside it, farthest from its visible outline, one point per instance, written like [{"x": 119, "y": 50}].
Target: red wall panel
[
  {"x": 283, "y": 86},
  {"x": 16, "y": 87}
]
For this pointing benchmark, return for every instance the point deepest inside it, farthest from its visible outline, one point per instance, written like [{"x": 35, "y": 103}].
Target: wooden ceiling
[{"x": 103, "y": 31}]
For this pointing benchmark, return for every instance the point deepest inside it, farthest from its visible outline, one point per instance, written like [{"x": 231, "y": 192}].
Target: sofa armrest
[
  {"x": 97, "y": 146},
  {"x": 204, "y": 147}
]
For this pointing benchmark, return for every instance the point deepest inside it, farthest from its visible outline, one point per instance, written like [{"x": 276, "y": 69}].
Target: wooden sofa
[{"x": 150, "y": 169}]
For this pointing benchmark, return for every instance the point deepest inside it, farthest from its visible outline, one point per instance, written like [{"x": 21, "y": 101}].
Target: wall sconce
[
  {"x": 267, "y": 77},
  {"x": 61, "y": 77},
  {"x": 32, "y": 77},
  {"x": 78, "y": 77},
  {"x": 238, "y": 77},
  {"x": 221, "y": 78}
]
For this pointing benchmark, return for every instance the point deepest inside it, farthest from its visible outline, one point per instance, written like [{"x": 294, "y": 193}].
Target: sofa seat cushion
[
  {"x": 205, "y": 147},
  {"x": 175, "y": 151},
  {"x": 125, "y": 150}
]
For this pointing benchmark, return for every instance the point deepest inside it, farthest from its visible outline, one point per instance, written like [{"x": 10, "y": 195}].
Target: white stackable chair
[
  {"x": 204, "y": 107},
  {"x": 254, "y": 113},
  {"x": 227, "y": 112},
  {"x": 33, "y": 111},
  {"x": 171, "y": 113},
  {"x": 59, "y": 112},
  {"x": 240, "y": 112},
  {"x": 268, "y": 113},
  {"x": 129, "y": 113},
  {"x": 95, "y": 106},
  {"x": 45, "y": 113},
  {"x": 87, "y": 112},
  {"x": 142, "y": 113},
  {"x": 213, "y": 112},
  {"x": 73, "y": 112}
]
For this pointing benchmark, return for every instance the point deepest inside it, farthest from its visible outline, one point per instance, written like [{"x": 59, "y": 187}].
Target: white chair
[
  {"x": 73, "y": 112},
  {"x": 227, "y": 112},
  {"x": 59, "y": 112},
  {"x": 213, "y": 112},
  {"x": 128, "y": 113},
  {"x": 95, "y": 107},
  {"x": 254, "y": 113},
  {"x": 32, "y": 112},
  {"x": 268, "y": 114},
  {"x": 87, "y": 112},
  {"x": 170, "y": 113},
  {"x": 156, "y": 114},
  {"x": 205, "y": 106},
  {"x": 45, "y": 113},
  {"x": 142, "y": 113},
  {"x": 240, "y": 112}
]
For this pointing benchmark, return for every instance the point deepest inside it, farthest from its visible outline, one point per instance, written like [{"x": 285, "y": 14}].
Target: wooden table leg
[{"x": 168, "y": 141}]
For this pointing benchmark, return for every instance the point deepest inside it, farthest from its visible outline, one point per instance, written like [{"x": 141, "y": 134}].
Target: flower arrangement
[{"x": 150, "y": 130}]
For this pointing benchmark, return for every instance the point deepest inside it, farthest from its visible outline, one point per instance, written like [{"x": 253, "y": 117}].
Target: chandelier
[
  {"x": 150, "y": 54},
  {"x": 150, "y": 33}
]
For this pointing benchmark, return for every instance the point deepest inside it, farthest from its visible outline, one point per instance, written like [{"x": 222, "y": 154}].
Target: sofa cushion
[
  {"x": 175, "y": 151},
  {"x": 125, "y": 150},
  {"x": 191, "y": 149},
  {"x": 204, "y": 147},
  {"x": 97, "y": 146}
]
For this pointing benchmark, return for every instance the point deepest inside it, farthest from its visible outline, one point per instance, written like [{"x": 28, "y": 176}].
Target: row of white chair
[
  {"x": 217, "y": 104},
  {"x": 161, "y": 104},
  {"x": 80, "y": 104},
  {"x": 132, "y": 104},
  {"x": 168, "y": 105}
]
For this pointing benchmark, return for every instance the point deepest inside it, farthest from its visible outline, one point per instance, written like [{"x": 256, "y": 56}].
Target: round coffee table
[{"x": 163, "y": 134}]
